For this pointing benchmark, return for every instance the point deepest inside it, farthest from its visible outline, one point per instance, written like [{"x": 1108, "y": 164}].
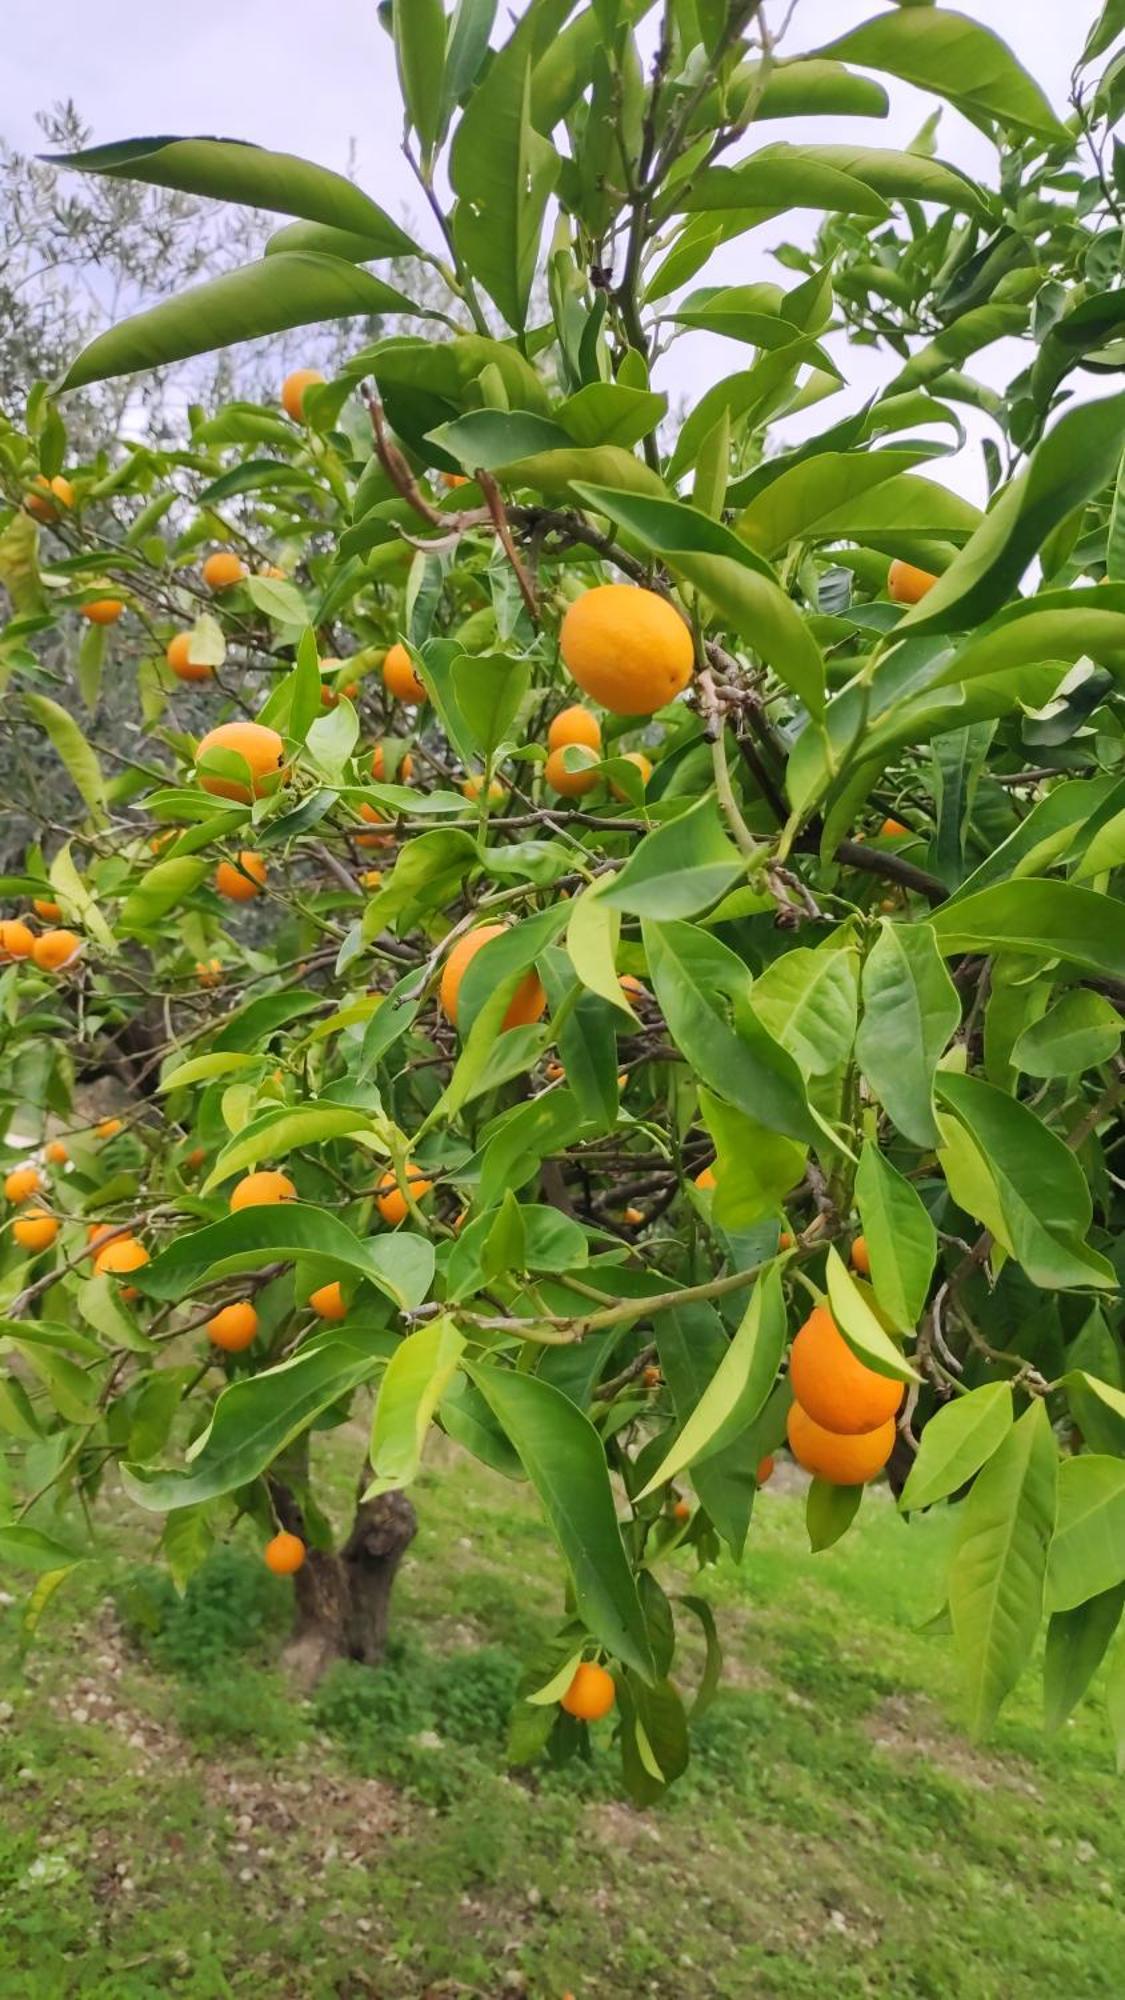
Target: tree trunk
[{"x": 343, "y": 1600}]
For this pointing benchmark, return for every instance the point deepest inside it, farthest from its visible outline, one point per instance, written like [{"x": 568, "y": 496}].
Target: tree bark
[{"x": 343, "y": 1600}]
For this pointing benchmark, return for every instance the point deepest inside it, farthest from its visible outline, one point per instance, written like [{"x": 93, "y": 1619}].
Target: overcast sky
[{"x": 315, "y": 79}]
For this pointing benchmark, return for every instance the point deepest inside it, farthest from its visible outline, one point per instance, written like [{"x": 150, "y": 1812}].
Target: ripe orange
[
  {"x": 100, "y": 1232},
  {"x": 124, "y": 1254},
  {"x": 632, "y": 987},
  {"x": 373, "y": 818},
  {"x": 893, "y": 829},
  {"x": 379, "y": 766},
  {"x": 56, "y": 1152},
  {"x": 223, "y": 569},
  {"x": 208, "y": 972},
  {"x": 399, "y": 677},
  {"x": 861, "y": 1260},
  {"x": 706, "y": 1180},
  {"x": 40, "y": 501},
  {"x": 242, "y": 883},
  {"x": 643, "y": 765},
  {"x": 50, "y": 912},
  {"x": 634, "y": 1217},
  {"x": 472, "y": 786},
  {"x": 36, "y": 1230},
  {"x": 52, "y": 950},
  {"x": 652, "y": 1377},
  {"x": 16, "y": 940},
  {"x": 194, "y": 1160},
  {"x": 529, "y": 1000},
  {"x": 372, "y": 878},
  {"x": 575, "y": 725},
  {"x": 233, "y": 1327},
  {"x": 284, "y": 1554},
  {"x": 591, "y": 1693},
  {"x": 102, "y": 610},
  {"x": 271, "y": 569},
  {"x": 293, "y": 391},
  {"x": 569, "y": 784},
  {"x": 765, "y": 1469},
  {"x": 846, "y": 1461},
  {"x": 390, "y": 1200},
  {"x": 682, "y": 1510},
  {"x": 178, "y": 655},
  {"x": 22, "y": 1182},
  {"x": 452, "y": 479},
  {"x": 109, "y": 1128},
  {"x": 907, "y": 584},
  {"x": 832, "y": 1386},
  {"x": 260, "y": 1190},
  {"x": 785, "y": 1240},
  {"x": 627, "y": 648},
  {"x": 328, "y": 1301},
  {"x": 261, "y": 750}
]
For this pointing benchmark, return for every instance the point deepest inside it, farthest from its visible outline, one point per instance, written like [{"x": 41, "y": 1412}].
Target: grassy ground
[{"x": 174, "y": 1823}]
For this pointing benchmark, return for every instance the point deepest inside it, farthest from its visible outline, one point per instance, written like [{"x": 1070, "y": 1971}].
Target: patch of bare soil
[{"x": 909, "y": 1726}]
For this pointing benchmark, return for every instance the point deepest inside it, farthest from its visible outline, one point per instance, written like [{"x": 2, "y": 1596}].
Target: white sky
[{"x": 313, "y": 80}]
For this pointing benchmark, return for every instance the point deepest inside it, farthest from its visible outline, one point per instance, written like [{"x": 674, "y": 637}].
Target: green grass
[{"x": 177, "y": 1823}]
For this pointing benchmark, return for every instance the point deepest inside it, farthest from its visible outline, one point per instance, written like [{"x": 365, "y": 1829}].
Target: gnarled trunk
[{"x": 343, "y": 1600}]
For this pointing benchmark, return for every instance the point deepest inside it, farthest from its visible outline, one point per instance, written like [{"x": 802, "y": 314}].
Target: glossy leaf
[
  {"x": 416, "y": 1378},
  {"x": 1079, "y": 1032},
  {"x": 693, "y": 973},
  {"x": 400, "y": 1265},
  {"x": 959, "y": 1438},
  {"x": 901, "y": 1239},
  {"x": 859, "y": 1326},
  {"x": 738, "y": 1389},
  {"x": 293, "y": 289},
  {"x": 910, "y": 1009},
  {"x": 1077, "y": 1642},
  {"x": 277, "y": 1132},
  {"x": 680, "y": 869},
  {"x": 1088, "y": 1550},
  {"x": 256, "y": 1418},
  {"x": 1078, "y": 456},
  {"x": 563, "y": 1457},
  {"x": 1000, "y": 1560},
  {"x": 1045, "y": 1204},
  {"x": 944, "y": 52},
  {"x": 81, "y": 763},
  {"x": 1050, "y": 919}
]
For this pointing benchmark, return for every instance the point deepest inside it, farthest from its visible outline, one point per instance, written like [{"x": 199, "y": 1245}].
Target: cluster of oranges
[
  {"x": 841, "y": 1423},
  {"x": 51, "y": 950}
]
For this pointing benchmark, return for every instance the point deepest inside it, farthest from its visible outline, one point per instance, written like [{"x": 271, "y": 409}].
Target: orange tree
[{"x": 605, "y": 928}]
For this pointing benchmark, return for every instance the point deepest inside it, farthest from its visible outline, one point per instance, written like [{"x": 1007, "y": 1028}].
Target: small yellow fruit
[
  {"x": 261, "y": 1190},
  {"x": 234, "y": 1327},
  {"x": 222, "y": 570},
  {"x": 293, "y": 391},
  {"x": 627, "y": 648},
  {"x": 36, "y": 1230}
]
